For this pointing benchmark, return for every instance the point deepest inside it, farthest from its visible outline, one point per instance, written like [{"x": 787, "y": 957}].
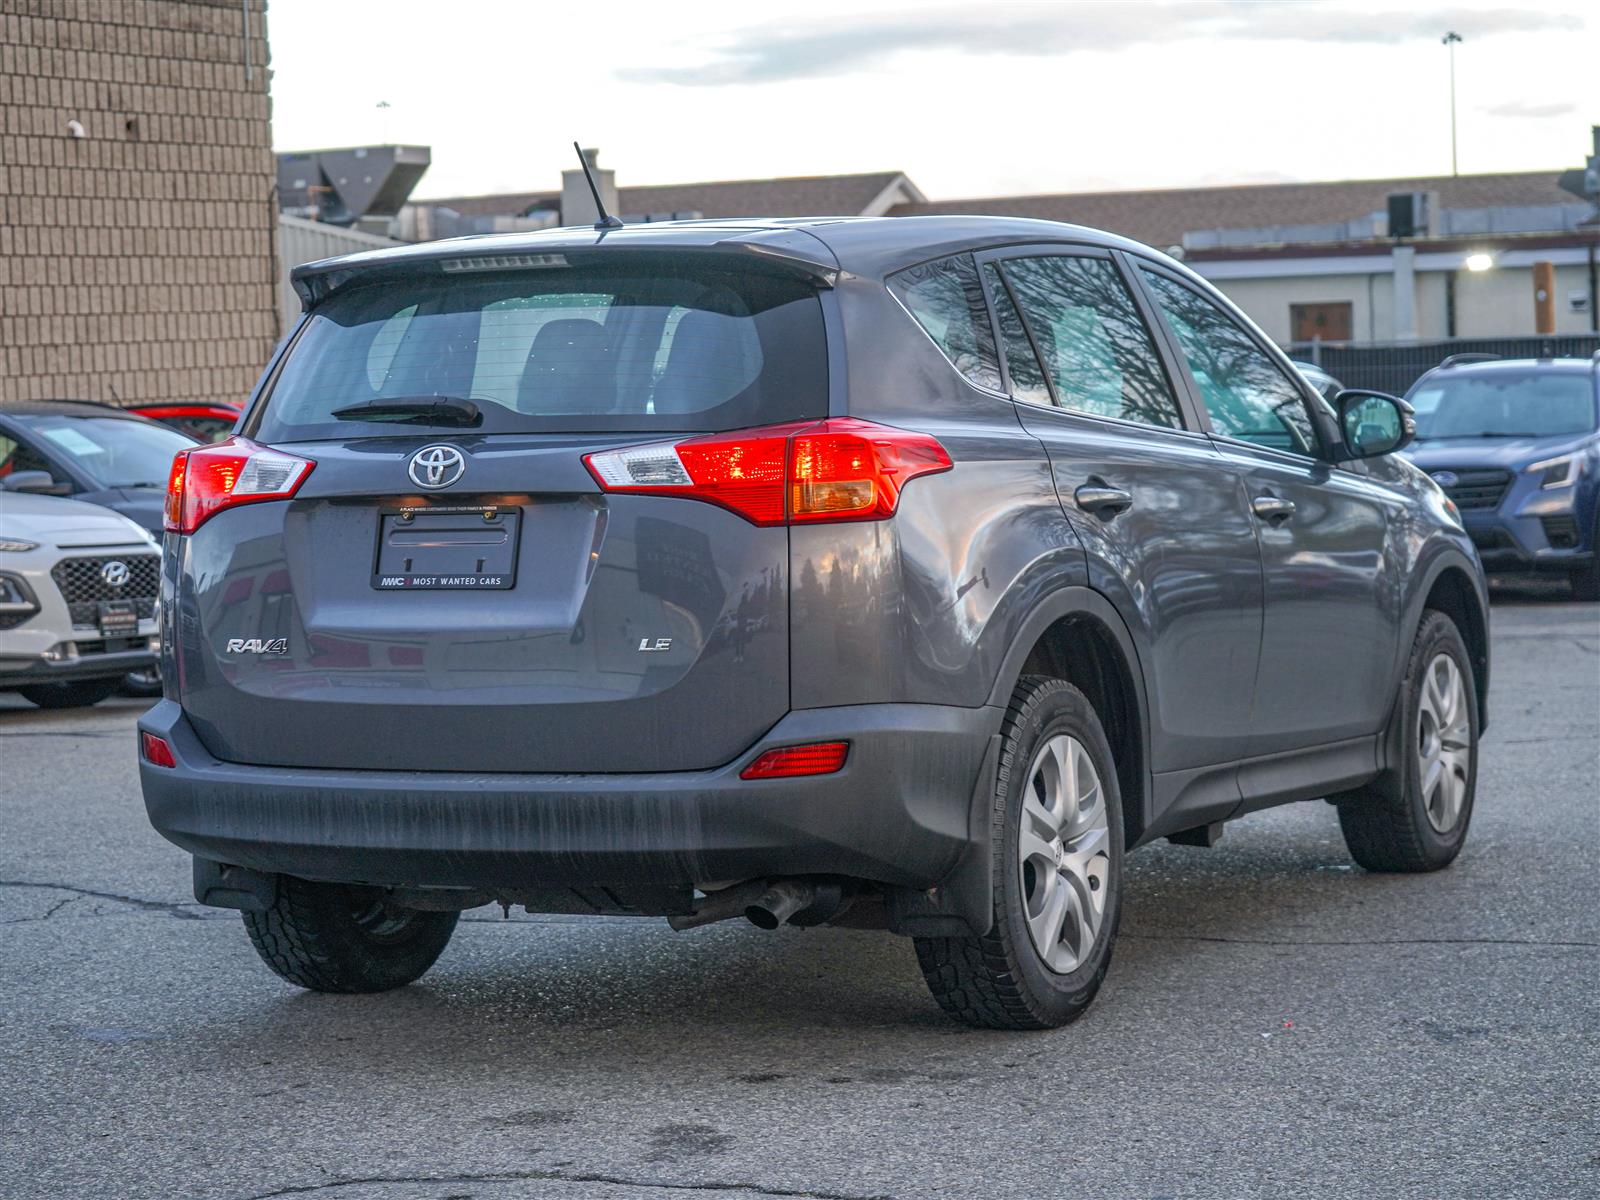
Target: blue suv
[{"x": 1516, "y": 444}]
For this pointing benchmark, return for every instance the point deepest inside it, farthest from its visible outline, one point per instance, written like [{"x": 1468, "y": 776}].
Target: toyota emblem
[
  {"x": 115, "y": 573},
  {"x": 437, "y": 466}
]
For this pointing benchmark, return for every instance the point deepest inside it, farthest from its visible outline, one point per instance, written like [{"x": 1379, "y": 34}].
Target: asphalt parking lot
[{"x": 1277, "y": 1022}]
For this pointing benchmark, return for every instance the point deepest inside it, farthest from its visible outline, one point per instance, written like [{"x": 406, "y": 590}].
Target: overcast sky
[{"x": 969, "y": 99}]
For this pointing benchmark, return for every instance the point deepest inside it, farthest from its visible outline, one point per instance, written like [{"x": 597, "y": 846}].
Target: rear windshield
[
  {"x": 1504, "y": 404},
  {"x": 563, "y": 349}
]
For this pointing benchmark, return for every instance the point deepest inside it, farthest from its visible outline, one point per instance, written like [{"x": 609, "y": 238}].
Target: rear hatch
[{"x": 448, "y": 587}]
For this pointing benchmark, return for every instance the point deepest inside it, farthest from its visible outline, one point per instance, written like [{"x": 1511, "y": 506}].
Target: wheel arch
[
  {"x": 1450, "y": 587},
  {"x": 1076, "y": 634}
]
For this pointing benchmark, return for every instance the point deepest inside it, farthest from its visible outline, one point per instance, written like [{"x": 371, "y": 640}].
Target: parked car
[
  {"x": 885, "y": 571},
  {"x": 78, "y": 588},
  {"x": 1516, "y": 444},
  {"x": 90, "y": 452},
  {"x": 202, "y": 422},
  {"x": 1326, "y": 385},
  {"x": 96, "y": 454}
]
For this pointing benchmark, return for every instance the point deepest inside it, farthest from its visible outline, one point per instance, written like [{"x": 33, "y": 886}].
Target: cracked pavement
[{"x": 1277, "y": 1021}]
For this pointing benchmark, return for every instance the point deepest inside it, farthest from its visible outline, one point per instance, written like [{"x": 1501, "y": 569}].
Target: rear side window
[
  {"x": 947, "y": 302},
  {"x": 1096, "y": 348},
  {"x": 1027, "y": 377},
  {"x": 562, "y": 349}
]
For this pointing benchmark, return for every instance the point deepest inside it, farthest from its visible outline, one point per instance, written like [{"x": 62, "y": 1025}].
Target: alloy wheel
[
  {"x": 1444, "y": 742},
  {"x": 1065, "y": 853}
]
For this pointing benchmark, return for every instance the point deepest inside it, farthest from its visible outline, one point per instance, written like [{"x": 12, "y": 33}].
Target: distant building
[
  {"x": 137, "y": 255},
  {"x": 1310, "y": 260},
  {"x": 358, "y": 187},
  {"x": 1306, "y": 260},
  {"x": 870, "y": 195}
]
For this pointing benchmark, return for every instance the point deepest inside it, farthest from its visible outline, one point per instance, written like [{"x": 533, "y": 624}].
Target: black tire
[
  {"x": 334, "y": 937},
  {"x": 1385, "y": 823},
  {"x": 1000, "y": 980},
  {"x": 142, "y": 685},
  {"x": 79, "y": 694},
  {"x": 1586, "y": 580}
]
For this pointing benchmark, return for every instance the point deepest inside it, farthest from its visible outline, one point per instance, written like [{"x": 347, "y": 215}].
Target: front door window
[{"x": 1246, "y": 395}]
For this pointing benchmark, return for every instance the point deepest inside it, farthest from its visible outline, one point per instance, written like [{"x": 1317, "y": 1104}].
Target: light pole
[{"x": 1450, "y": 39}]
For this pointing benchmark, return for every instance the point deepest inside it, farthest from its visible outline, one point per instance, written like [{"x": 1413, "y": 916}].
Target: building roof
[
  {"x": 1160, "y": 217},
  {"x": 795, "y": 196}
]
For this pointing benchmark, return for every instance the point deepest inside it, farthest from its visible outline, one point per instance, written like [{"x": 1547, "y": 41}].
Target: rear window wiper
[{"x": 414, "y": 410}]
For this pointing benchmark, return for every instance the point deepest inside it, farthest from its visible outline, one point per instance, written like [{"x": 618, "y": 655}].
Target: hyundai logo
[
  {"x": 437, "y": 466},
  {"x": 115, "y": 573},
  {"x": 1446, "y": 478}
]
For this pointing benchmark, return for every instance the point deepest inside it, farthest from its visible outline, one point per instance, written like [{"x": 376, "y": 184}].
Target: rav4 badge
[{"x": 258, "y": 645}]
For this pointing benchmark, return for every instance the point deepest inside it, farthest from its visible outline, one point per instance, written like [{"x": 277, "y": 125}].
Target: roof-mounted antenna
[{"x": 606, "y": 221}]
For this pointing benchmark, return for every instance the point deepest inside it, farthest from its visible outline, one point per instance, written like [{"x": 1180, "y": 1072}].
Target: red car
[{"x": 203, "y": 422}]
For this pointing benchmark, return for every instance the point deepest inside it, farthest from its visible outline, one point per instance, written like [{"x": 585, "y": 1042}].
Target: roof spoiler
[{"x": 790, "y": 251}]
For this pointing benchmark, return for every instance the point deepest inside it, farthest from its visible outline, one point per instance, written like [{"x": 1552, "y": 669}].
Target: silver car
[{"x": 78, "y": 588}]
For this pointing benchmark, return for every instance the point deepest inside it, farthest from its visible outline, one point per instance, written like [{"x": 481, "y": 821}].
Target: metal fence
[
  {"x": 302, "y": 241},
  {"x": 1395, "y": 366}
]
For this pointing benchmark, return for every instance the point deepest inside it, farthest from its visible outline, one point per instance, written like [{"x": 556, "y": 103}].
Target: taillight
[
  {"x": 841, "y": 469},
  {"x": 819, "y": 758},
  {"x": 208, "y": 479}
]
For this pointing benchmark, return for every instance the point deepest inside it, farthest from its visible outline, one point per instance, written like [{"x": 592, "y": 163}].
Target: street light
[{"x": 1450, "y": 39}]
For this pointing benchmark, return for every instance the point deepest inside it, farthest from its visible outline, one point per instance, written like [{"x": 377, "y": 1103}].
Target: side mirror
[
  {"x": 31, "y": 481},
  {"x": 1373, "y": 423}
]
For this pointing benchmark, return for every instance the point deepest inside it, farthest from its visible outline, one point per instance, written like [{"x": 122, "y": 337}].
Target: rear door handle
[
  {"x": 1274, "y": 510},
  {"x": 1104, "y": 502}
]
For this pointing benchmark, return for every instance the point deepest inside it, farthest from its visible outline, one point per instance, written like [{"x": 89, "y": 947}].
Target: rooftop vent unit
[
  {"x": 362, "y": 187},
  {"x": 1411, "y": 214}
]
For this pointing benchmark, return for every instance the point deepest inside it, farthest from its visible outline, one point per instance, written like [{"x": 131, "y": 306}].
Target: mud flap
[{"x": 962, "y": 903}]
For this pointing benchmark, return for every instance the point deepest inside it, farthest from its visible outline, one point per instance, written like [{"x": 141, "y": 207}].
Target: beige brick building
[{"x": 137, "y": 217}]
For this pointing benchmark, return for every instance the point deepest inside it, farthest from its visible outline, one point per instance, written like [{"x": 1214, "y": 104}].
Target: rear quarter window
[
  {"x": 572, "y": 349},
  {"x": 945, "y": 298}
]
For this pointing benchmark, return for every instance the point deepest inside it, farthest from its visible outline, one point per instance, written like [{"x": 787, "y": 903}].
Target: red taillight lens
[
  {"x": 208, "y": 479},
  {"x": 819, "y": 758},
  {"x": 849, "y": 470},
  {"x": 841, "y": 469},
  {"x": 156, "y": 751}
]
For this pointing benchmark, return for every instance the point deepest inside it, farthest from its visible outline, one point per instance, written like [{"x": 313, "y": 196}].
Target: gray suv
[{"x": 898, "y": 573}]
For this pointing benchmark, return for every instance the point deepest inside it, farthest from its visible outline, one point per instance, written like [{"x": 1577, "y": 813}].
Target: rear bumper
[{"x": 897, "y": 813}]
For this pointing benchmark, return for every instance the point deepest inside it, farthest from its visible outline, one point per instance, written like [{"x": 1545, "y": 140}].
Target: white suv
[{"x": 78, "y": 589}]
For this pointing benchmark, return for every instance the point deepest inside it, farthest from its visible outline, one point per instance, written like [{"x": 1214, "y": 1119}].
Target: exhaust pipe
[
  {"x": 719, "y": 906},
  {"x": 780, "y": 902}
]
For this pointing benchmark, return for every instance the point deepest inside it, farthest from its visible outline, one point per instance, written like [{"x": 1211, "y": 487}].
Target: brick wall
[{"x": 139, "y": 261}]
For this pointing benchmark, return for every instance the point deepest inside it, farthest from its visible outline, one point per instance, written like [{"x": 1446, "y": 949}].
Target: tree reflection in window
[
  {"x": 944, "y": 297},
  {"x": 1243, "y": 390},
  {"x": 1027, "y": 378},
  {"x": 1094, "y": 344}
]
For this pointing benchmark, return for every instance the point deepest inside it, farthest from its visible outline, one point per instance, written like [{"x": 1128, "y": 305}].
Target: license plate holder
[
  {"x": 118, "y": 618},
  {"x": 451, "y": 548}
]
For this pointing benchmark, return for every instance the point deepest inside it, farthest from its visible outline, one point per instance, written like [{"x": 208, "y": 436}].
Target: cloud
[
  {"x": 776, "y": 52},
  {"x": 1521, "y": 108}
]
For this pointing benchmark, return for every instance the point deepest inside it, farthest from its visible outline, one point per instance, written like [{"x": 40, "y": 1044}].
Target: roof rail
[{"x": 1469, "y": 356}]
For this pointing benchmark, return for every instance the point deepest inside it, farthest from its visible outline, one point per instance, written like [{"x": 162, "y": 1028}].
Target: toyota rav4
[{"x": 894, "y": 572}]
